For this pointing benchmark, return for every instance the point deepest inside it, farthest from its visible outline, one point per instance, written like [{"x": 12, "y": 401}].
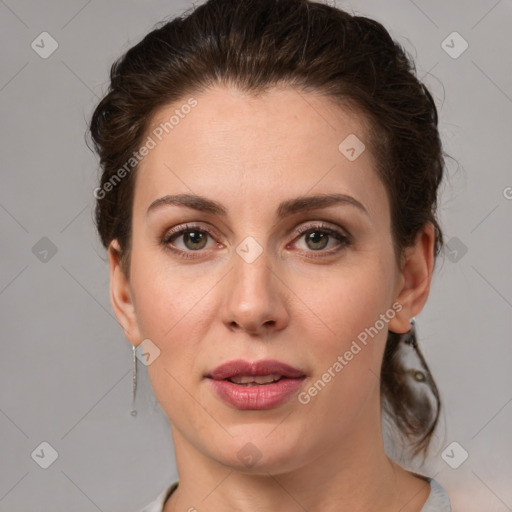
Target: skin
[{"x": 295, "y": 303}]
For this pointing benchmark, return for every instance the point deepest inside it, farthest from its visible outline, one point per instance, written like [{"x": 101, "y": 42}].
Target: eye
[
  {"x": 193, "y": 238},
  {"x": 320, "y": 238}
]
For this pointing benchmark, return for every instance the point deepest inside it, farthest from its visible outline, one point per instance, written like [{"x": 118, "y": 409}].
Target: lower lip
[{"x": 257, "y": 397}]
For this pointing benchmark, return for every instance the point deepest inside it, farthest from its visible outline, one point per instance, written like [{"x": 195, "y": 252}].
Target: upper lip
[{"x": 239, "y": 367}]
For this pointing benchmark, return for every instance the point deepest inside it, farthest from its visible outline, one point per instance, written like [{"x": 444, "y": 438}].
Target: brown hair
[{"x": 255, "y": 45}]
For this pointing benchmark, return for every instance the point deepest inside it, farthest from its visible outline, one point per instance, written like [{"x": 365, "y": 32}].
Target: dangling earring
[
  {"x": 418, "y": 375},
  {"x": 134, "y": 380}
]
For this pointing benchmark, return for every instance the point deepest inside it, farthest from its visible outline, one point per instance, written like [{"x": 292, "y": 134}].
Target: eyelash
[{"x": 344, "y": 239}]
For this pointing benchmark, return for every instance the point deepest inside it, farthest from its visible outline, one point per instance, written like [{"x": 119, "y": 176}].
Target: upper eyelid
[{"x": 321, "y": 225}]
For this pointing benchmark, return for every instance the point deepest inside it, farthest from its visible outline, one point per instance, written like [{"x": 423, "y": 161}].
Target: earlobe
[
  {"x": 415, "y": 279},
  {"x": 121, "y": 295}
]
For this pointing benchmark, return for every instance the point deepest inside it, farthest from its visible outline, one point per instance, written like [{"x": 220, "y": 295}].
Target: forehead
[{"x": 250, "y": 149}]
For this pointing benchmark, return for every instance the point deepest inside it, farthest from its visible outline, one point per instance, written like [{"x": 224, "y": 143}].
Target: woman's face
[{"x": 264, "y": 272}]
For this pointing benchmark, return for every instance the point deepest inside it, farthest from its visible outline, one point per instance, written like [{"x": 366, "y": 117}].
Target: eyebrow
[{"x": 286, "y": 208}]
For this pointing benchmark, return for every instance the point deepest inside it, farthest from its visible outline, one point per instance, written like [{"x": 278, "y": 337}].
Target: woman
[{"x": 268, "y": 202}]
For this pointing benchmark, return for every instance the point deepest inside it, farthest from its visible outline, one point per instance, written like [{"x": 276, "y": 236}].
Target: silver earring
[{"x": 134, "y": 380}]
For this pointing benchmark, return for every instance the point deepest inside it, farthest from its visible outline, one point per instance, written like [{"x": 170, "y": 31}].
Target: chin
[{"x": 259, "y": 454}]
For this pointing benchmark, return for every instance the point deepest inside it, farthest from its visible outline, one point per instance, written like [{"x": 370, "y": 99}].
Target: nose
[{"x": 255, "y": 300}]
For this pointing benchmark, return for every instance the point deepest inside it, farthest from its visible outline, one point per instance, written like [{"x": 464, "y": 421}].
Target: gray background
[{"x": 65, "y": 368}]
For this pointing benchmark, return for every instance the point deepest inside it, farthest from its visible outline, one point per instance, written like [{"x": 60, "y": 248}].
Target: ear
[
  {"x": 415, "y": 278},
  {"x": 121, "y": 295}
]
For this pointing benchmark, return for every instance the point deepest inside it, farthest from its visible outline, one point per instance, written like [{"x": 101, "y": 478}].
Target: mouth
[{"x": 259, "y": 385}]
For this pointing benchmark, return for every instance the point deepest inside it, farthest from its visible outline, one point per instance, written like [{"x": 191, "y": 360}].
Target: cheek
[
  {"x": 344, "y": 302},
  {"x": 349, "y": 333},
  {"x": 169, "y": 298},
  {"x": 176, "y": 307},
  {"x": 173, "y": 311}
]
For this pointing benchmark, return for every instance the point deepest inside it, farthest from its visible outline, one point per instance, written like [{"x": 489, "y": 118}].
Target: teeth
[{"x": 260, "y": 379}]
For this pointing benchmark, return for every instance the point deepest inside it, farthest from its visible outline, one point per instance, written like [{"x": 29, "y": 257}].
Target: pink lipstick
[{"x": 255, "y": 386}]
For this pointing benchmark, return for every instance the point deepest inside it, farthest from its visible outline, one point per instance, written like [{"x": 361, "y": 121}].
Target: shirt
[{"x": 437, "y": 500}]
